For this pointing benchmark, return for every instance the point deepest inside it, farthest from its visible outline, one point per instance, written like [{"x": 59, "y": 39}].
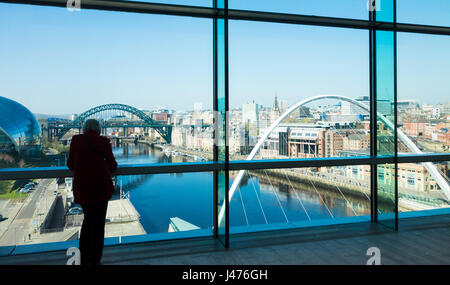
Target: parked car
[
  {"x": 25, "y": 190},
  {"x": 75, "y": 211},
  {"x": 29, "y": 186}
]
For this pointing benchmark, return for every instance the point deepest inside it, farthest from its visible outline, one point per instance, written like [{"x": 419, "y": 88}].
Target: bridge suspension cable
[
  {"x": 259, "y": 201},
  {"x": 243, "y": 207}
]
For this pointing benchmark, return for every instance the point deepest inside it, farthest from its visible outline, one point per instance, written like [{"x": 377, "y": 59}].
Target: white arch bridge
[{"x": 432, "y": 169}]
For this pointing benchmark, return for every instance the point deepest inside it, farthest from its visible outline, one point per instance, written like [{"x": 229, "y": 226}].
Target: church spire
[{"x": 275, "y": 104}]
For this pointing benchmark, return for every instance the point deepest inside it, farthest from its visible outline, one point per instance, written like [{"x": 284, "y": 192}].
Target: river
[{"x": 259, "y": 201}]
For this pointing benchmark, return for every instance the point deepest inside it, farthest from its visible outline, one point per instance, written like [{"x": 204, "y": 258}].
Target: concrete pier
[
  {"x": 122, "y": 219},
  {"x": 177, "y": 225}
]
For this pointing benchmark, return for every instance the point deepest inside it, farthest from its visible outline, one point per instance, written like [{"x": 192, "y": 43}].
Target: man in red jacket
[{"x": 92, "y": 162}]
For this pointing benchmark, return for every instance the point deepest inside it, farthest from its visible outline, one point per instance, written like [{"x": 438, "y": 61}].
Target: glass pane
[
  {"x": 221, "y": 124},
  {"x": 300, "y": 197},
  {"x": 298, "y": 91},
  {"x": 222, "y": 183},
  {"x": 330, "y": 8},
  {"x": 203, "y": 3},
  {"x": 220, "y": 4},
  {"x": 423, "y": 187},
  {"x": 143, "y": 208},
  {"x": 385, "y": 88},
  {"x": 127, "y": 70},
  {"x": 384, "y": 10},
  {"x": 221, "y": 204},
  {"x": 430, "y": 12},
  {"x": 385, "y": 92},
  {"x": 169, "y": 203},
  {"x": 423, "y": 88},
  {"x": 386, "y": 195}
]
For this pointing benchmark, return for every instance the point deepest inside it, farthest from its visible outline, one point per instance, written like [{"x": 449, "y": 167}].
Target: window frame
[{"x": 371, "y": 25}]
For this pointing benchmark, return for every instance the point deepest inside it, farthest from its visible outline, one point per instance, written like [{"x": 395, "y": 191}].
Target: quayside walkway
[{"x": 420, "y": 240}]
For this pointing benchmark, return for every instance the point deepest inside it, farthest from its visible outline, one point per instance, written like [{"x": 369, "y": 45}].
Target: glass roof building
[{"x": 19, "y": 129}]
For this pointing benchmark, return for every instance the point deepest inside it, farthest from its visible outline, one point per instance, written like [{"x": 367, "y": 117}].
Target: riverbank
[
  {"x": 330, "y": 183},
  {"x": 337, "y": 186},
  {"x": 313, "y": 183},
  {"x": 196, "y": 155}
]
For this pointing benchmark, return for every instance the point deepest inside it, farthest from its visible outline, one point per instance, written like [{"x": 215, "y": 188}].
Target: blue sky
[{"x": 56, "y": 61}]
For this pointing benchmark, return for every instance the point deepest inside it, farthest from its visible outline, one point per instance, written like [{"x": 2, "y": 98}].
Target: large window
[
  {"x": 324, "y": 72},
  {"x": 357, "y": 9},
  {"x": 224, "y": 116},
  {"x": 147, "y": 78},
  {"x": 203, "y": 3},
  {"x": 422, "y": 187},
  {"x": 424, "y": 92},
  {"x": 142, "y": 208},
  {"x": 267, "y": 198},
  {"x": 431, "y": 12}
]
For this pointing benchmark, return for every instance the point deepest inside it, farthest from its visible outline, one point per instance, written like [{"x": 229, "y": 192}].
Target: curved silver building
[{"x": 19, "y": 129}]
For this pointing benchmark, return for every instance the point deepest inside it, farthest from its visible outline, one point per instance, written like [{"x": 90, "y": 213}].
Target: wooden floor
[{"x": 424, "y": 240}]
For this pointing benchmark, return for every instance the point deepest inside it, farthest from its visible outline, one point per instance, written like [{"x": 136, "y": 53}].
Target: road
[
  {"x": 20, "y": 225},
  {"x": 27, "y": 211}
]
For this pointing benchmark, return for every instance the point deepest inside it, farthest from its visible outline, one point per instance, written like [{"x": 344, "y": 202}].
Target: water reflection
[{"x": 261, "y": 199}]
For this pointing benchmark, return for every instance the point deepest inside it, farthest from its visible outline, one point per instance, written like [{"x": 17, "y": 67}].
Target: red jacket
[{"x": 92, "y": 162}]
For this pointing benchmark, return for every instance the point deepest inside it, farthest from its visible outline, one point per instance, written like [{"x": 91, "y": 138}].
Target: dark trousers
[{"x": 93, "y": 233}]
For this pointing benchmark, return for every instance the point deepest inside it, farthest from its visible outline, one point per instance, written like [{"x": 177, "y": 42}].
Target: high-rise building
[
  {"x": 283, "y": 105},
  {"x": 250, "y": 126},
  {"x": 250, "y": 112},
  {"x": 250, "y": 116}
]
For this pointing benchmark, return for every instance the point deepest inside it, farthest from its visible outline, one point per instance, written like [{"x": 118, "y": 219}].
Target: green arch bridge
[{"x": 165, "y": 130}]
